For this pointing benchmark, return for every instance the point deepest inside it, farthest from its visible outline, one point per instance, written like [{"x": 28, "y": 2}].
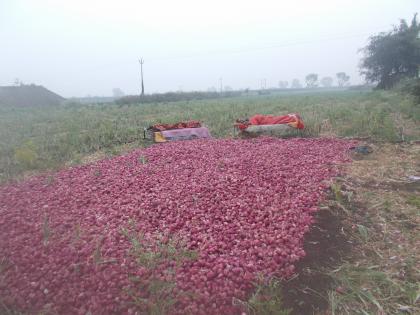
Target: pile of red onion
[{"x": 242, "y": 206}]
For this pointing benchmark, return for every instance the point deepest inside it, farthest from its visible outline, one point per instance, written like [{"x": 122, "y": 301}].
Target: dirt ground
[{"x": 363, "y": 252}]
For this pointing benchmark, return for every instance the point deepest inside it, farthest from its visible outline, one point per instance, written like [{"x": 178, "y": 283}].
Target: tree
[
  {"x": 342, "y": 78},
  {"x": 296, "y": 84},
  {"x": 117, "y": 92},
  {"x": 283, "y": 84},
  {"x": 311, "y": 80},
  {"x": 391, "y": 56},
  {"x": 327, "y": 81}
]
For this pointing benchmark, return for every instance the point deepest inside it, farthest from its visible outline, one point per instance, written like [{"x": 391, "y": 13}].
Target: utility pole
[
  {"x": 263, "y": 84},
  {"x": 141, "y": 61},
  {"x": 221, "y": 85}
]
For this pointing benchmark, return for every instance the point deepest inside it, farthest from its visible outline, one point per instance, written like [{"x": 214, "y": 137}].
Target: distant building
[{"x": 28, "y": 95}]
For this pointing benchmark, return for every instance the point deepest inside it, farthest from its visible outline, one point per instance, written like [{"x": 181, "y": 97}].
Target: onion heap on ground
[{"x": 106, "y": 237}]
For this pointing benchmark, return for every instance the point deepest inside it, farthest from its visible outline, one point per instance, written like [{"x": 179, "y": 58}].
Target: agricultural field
[
  {"x": 42, "y": 138},
  {"x": 96, "y": 220}
]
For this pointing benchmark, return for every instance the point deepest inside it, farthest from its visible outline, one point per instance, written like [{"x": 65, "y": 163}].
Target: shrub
[
  {"x": 411, "y": 87},
  {"x": 26, "y": 155}
]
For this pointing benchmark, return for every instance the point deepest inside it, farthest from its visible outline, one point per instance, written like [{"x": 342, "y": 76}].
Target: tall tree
[
  {"x": 311, "y": 80},
  {"x": 342, "y": 78},
  {"x": 391, "y": 56},
  {"x": 327, "y": 81}
]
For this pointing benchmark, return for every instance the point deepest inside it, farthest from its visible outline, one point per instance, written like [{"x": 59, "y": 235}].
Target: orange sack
[
  {"x": 293, "y": 120},
  {"x": 178, "y": 125}
]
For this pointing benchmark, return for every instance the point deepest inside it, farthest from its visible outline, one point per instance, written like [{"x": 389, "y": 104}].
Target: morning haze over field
[{"x": 79, "y": 48}]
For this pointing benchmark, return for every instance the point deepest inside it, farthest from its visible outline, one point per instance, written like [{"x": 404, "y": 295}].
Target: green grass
[
  {"x": 265, "y": 300},
  {"x": 46, "y": 138},
  {"x": 157, "y": 295},
  {"x": 366, "y": 290},
  {"x": 414, "y": 201},
  {"x": 46, "y": 230},
  {"x": 381, "y": 274}
]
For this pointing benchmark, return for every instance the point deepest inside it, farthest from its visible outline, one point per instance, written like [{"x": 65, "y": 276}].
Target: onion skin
[{"x": 243, "y": 206}]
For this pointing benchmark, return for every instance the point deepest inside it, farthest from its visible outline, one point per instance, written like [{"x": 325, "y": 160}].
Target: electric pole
[
  {"x": 141, "y": 61},
  {"x": 263, "y": 84},
  {"x": 221, "y": 85}
]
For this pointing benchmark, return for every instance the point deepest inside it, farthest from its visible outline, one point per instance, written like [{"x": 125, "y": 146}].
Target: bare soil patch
[{"x": 326, "y": 246}]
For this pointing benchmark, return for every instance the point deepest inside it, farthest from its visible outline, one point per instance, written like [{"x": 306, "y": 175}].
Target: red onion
[{"x": 242, "y": 205}]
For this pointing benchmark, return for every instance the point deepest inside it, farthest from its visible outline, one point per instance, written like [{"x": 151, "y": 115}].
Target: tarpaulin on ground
[
  {"x": 293, "y": 120},
  {"x": 181, "y": 134},
  {"x": 178, "y": 125}
]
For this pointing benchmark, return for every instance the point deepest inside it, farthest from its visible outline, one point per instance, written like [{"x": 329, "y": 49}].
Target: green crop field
[{"x": 42, "y": 138}]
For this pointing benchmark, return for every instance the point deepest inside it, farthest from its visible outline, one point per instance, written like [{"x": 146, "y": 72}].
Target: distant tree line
[
  {"x": 312, "y": 81},
  {"x": 211, "y": 93}
]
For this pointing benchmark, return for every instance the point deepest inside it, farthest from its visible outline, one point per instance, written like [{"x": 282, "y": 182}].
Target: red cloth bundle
[{"x": 292, "y": 120}]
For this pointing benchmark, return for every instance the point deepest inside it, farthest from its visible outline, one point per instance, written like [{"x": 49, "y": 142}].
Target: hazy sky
[{"x": 81, "y": 47}]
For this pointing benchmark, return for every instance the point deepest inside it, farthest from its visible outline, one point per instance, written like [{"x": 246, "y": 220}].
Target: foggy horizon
[{"x": 78, "y": 49}]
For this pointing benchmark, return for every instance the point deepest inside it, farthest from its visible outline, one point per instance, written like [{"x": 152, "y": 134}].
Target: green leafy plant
[
  {"x": 414, "y": 201},
  {"x": 363, "y": 231},
  {"x": 46, "y": 230},
  {"x": 156, "y": 295},
  {"x": 26, "y": 155},
  {"x": 143, "y": 159},
  {"x": 266, "y": 299}
]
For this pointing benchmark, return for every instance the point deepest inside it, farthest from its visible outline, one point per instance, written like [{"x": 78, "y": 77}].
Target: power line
[{"x": 273, "y": 46}]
